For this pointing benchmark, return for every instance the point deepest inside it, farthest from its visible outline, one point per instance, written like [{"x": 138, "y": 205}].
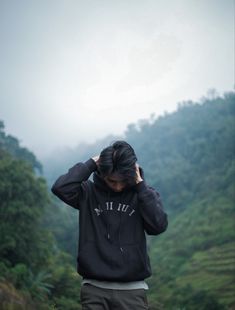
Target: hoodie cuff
[
  {"x": 141, "y": 186},
  {"x": 91, "y": 165}
]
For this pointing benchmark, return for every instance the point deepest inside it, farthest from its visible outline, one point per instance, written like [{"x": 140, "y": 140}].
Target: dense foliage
[
  {"x": 12, "y": 146},
  {"x": 188, "y": 156},
  {"x": 34, "y": 272}
]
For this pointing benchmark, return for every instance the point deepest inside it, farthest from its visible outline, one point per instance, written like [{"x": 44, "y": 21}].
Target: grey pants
[{"x": 95, "y": 298}]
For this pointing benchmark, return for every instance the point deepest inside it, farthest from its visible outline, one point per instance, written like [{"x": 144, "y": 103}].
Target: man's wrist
[
  {"x": 141, "y": 186},
  {"x": 139, "y": 180},
  {"x": 91, "y": 165}
]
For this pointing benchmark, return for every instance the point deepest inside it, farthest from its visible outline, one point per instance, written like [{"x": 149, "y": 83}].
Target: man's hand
[
  {"x": 138, "y": 176},
  {"x": 96, "y": 160}
]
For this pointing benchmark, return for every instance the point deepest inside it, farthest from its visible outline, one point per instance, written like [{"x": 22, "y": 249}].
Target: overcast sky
[{"x": 74, "y": 71}]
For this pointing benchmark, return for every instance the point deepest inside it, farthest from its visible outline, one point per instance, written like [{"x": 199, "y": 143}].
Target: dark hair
[{"x": 118, "y": 159}]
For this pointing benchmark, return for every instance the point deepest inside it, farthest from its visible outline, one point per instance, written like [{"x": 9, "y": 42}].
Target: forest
[{"x": 187, "y": 155}]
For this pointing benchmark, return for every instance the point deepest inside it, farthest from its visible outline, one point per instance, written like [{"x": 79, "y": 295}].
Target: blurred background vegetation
[{"x": 188, "y": 156}]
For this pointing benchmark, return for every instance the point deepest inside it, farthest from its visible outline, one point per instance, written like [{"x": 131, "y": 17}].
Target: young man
[{"x": 116, "y": 209}]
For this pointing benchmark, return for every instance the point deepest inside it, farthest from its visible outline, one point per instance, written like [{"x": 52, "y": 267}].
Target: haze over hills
[
  {"x": 73, "y": 73},
  {"x": 188, "y": 156}
]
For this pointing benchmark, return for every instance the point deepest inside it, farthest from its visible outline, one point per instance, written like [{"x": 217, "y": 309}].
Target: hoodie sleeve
[
  {"x": 154, "y": 217},
  {"x": 71, "y": 187}
]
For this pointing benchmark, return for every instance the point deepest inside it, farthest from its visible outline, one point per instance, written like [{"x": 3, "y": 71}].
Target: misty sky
[{"x": 74, "y": 71}]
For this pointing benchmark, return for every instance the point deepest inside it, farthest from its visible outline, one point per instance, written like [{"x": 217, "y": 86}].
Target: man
[{"x": 116, "y": 209}]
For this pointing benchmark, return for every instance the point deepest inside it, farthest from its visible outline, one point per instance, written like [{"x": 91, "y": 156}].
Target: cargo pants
[{"x": 95, "y": 298}]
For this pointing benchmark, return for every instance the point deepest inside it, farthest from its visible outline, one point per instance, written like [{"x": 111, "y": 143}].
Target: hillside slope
[{"x": 188, "y": 156}]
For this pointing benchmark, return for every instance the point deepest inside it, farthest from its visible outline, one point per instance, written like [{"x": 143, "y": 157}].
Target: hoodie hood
[{"x": 101, "y": 184}]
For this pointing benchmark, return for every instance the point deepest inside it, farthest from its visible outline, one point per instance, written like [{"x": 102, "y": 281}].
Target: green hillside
[
  {"x": 34, "y": 273},
  {"x": 196, "y": 252},
  {"x": 195, "y": 170},
  {"x": 188, "y": 156}
]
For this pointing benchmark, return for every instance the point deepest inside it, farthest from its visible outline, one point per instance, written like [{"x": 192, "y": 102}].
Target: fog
[{"x": 75, "y": 71}]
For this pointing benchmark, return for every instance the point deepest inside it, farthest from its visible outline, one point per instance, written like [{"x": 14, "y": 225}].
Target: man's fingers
[{"x": 96, "y": 158}]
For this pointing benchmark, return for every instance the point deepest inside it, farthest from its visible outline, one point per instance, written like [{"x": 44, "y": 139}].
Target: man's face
[{"x": 115, "y": 183}]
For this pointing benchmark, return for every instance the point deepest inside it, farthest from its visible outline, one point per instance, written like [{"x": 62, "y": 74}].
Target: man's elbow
[
  {"x": 55, "y": 189},
  {"x": 163, "y": 226}
]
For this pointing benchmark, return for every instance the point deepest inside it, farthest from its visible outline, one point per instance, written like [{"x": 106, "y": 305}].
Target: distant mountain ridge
[{"x": 188, "y": 156}]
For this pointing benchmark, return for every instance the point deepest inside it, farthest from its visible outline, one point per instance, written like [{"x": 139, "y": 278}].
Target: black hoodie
[{"x": 112, "y": 225}]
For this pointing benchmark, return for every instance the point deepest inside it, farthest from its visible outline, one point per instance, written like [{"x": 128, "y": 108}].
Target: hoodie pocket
[
  {"x": 134, "y": 258},
  {"x": 112, "y": 263},
  {"x": 99, "y": 261}
]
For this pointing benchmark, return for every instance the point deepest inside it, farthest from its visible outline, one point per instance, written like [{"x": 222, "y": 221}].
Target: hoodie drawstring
[
  {"x": 107, "y": 224},
  {"x": 119, "y": 232}
]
